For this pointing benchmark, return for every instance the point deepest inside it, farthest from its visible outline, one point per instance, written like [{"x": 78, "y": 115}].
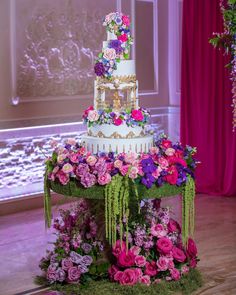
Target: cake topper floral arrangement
[
  {"x": 118, "y": 24},
  {"x": 227, "y": 41}
]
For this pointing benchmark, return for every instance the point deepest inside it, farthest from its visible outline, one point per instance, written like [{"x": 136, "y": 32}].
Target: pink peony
[
  {"x": 172, "y": 175},
  {"x": 129, "y": 277},
  {"x": 175, "y": 274},
  {"x": 135, "y": 249},
  {"x": 191, "y": 248},
  {"x": 157, "y": 230},
  {"x": 178, "y": 254},
  {"x": 173, "y": 226},
  {"x": 63, "y": 178},
  {"x": 126, "y": 259},
  {"x": 164, "y": 245},
  {"x": 91, "y": 160},
  {"x": 73, "y": 274},
  {"x": 118, "y": 275},
  {"x": 151, "y": 269},
  {"x": 104, "y": 179},
  {"x": 166, "y": 143},
  {"x": 117, "y": 121},
  {"x": 163, "y": 263},
  {"x": 118, "y": 248},
  {"x": 163, "y": 163},
  {"x": 126, "y": 20},
  {"x": 123, "y": 38},
  {"x": 145, "y": 280},
  {"x": 137, "y": 115},
  {"x": 124, "y": 169},
  {"x": 140, "y": 260},
  {"x": 67, "y": 168},
  {"x": 66, "y": 263},
  {"x": 112, "y": 271}
]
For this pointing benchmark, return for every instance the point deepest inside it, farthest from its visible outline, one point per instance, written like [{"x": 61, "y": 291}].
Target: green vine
[{"x": 188, "y": 209}]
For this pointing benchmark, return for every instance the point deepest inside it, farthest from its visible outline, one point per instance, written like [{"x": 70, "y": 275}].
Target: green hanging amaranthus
[
  {"x": 188, "y": 209},
  {"x": 116, "y": 207},
  {"x": 47, "y": 200}
]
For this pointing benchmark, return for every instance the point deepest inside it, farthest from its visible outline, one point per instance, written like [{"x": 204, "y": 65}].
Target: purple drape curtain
[{"x": 206, "y": 113}]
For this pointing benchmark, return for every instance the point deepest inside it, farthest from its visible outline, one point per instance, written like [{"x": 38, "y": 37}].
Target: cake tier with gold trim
[{"x": 117, "y": 145}]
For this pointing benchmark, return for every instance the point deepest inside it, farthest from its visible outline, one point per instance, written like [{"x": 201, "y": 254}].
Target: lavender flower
[
  {"x": 87, "y": 260},
  {"x": 148, "y": 180},
  {"x": 61, "y": 275},
  {"x": 116, "y": 44},
  {"x": 148, "y": 165},
  {"x": 75, "y": 257},
  {"x": 88, "y": 180},
  {"x": 83, "y": 268},
  {"x": 86, "y": 247}
]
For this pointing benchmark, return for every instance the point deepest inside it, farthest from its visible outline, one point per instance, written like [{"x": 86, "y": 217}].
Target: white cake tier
[
  {"x": 111, "y": 36},
  {"x": 125, "y": 68},
  {"x": 112, "y": 131},
  {"x": 117, "y": 145}
]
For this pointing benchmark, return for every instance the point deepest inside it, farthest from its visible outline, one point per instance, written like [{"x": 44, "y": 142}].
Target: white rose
[
  {"x": 109, "y": 53},
  {"x": 93, "y": 115}
]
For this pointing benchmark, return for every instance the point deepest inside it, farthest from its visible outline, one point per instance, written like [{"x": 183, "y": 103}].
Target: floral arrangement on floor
[
  {"x": 227, "y": 41},
  {"x": 167, "y": 162},
  {"x": 130, "y": 117},
  {"x": 154, "y": 251},
  {"x": 119, "y": 24},
  {"x": 77, "y": 248}
]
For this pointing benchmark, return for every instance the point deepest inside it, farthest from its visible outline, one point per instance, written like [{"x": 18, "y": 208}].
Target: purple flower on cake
[
  {"x": 116, "y": 44},
  {"x": 52, "y": 274},
  {"x": 99, "y": 69},
  {"x": 83, "y": 268}
]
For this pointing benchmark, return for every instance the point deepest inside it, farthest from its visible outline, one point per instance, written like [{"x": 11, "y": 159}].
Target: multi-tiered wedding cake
[{"x": 116, "y": 122}]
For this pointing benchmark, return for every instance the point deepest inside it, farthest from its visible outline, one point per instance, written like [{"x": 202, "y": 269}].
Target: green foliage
[{"x": 186, "y": 285}]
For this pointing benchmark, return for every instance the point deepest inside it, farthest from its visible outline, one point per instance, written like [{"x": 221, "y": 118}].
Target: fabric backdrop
[{"x": 206, "y": 113}]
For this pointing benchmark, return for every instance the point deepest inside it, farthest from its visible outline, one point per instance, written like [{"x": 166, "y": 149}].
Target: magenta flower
[
  {"x": 178, "y": 254},
  {"x": 126, "y": 259},
  {"x": 164, "y": 245}
]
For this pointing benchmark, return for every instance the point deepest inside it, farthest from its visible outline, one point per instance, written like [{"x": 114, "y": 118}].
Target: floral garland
[
  {"x": 119, "y": 24},
  {"x": 131, "y": 117},
  {"x": 227, "y": 41}
]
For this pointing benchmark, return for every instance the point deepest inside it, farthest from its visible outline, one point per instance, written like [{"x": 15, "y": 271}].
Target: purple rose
[
  {"x": 52, "y": 274},
  {"x": 73, "y": 274},
  {"x": 83, "y": 268},
  {"x": 61, "y": 275},
  {"x": 75, "y": 257},
  {"x": 86, "y": 247},
  {"x": 87, "y": 260},
  {"x": 66, "y": 263},
  {"x": 99, "y": 69}
]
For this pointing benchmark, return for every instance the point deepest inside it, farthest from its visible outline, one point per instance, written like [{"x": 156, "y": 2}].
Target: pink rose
[
  {"x": 109, "y": 53},
  {"x": 140, "y": 260},
  {"x": 151, "y": 269},
  {"x": 166, "y": 143},
  {"x": 175, "y": 274},
  {"x": 126, "y": 259},
  {"x": 178, "y": 254},
  {"x": 104, "y": 179},
  {"x": 118, "y": 164},
  {"x": 157, "y": 230},
  {"x": 93, "y": 115},
  {"x": 73, "y": 274},
  {"x": 112, "y": 271},
  {"x": 170, "y": 152},
  {"x": 74, "y": 158},
  {"x": 133, "y": 173},
  {"x": 90, "y": 108},
  {"x": 193, "y": 263},
  {"x": 164, "y": 245},
  {"x": 91, "y": 160},
  {"x": 63, "y": 178},
  {"x": 118, "y": 275},
  {"x": 129, "y": 277},
  {"x": 126, "y": 20},
  {"x": 118, "y": 248},
  {"x": 171, "y": 263},
  {"x": 135, "y": 249},
  {"x": 173, "y": 226},
  {"x": 67, "y": 168},
  {"x": 163, "y": 163},
  {"x": 66, "y": 263},
  {"x": 163, "y": 263},
  {"x": 145, "y": 280},
  {"x": 124, "y": 169},
  {"x": 191, "y": 248},
  {"x": 139, "y": 272},
  {"x": 123, "y": 38},
  {"x": 137, "y": 115},
  {"x": 172, "y": 175},
  {"x": 117, "y": 121}
]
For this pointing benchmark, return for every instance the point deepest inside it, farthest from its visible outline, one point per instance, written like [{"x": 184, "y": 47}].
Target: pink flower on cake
[
  {"x": 157, "y": 172},
  {"x": 129, "y": 277},
  {"x": 67, "y": 168},
  {"x": 109, "y": 53},
  {"x": 173, "y": 226},
  {"x": 170, "y": 152},
  {"x": 126, "y": 259},
  {"x": 175, "y": 274},
  {"x": 61, "y": 158},
  {"x": 137, "y": 115},
  {"x": 140, "y": 261},
  {"x": 66, "y": 263},
  {"x": 178, "y": 254},
  {"x": 157, "y": 230},
  {"x": 172, "y": 175},
  {"x": 139, "y": 272},
  {"x": 93, "y": 116},
  {"x": 117, "y": 121},
  {"x": 91, "y": 160},
  {"x": 63, "y": 178},
  {"x": 184, "y": 269},
  {"x": 123, "y": 38},
  {"x": 104, "y": 179},
  {"x": 151, "y": 269},
  {"x": 145, "y": 280},
  {"x": 126, "y": 20},
  {"x": 88, "y": 179},
  {"x": 164, "y": 245},
  {"x": 193, "y": 263}
]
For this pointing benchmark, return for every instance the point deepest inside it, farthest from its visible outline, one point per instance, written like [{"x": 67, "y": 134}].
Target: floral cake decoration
[{"x": 119, "y": 24}]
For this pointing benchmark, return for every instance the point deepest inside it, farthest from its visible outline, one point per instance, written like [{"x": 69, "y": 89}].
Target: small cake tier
[
  {"x": 112, "y": 131},
  {"x": 117, "y": 145}
]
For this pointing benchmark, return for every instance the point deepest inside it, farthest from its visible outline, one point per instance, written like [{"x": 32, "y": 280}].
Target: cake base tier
[{"x": 117, "y": 145}]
